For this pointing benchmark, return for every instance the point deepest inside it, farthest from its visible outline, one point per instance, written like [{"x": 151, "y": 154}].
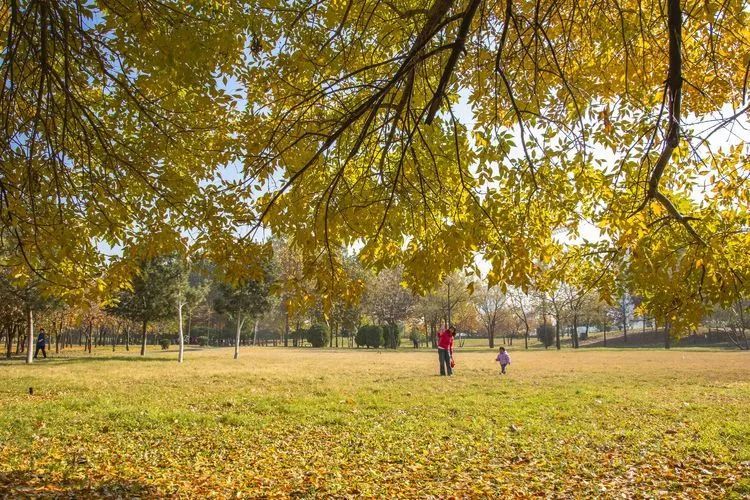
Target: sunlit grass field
[{"x": 350, "y": 423}]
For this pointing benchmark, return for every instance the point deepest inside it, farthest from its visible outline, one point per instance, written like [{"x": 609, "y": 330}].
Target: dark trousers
[
  {"x": 40, "y": 348},
  {"x": 503, "y": 368},
  {"x": 445, "y": 361}
]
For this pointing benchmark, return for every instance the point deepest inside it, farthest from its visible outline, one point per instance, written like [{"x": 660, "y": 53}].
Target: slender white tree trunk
[
  {"x": 181, "y": 336},
  {"x": 30, "y": 334},
  {"x": 286, "y": 325},
  {"x": 255, "y": 332},
  {"x": 237, "y": 338}
]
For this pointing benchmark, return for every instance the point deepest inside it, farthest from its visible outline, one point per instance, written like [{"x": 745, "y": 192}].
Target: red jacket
[{"x": 445, "y": 340}]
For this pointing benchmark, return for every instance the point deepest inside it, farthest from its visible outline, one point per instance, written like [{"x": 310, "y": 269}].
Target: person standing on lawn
[
  {"x": 445, "y": 350},
  {"x": 41, "y": 344}
]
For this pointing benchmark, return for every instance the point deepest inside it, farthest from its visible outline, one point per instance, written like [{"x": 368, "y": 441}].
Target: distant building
[
  {"x": 637, "y": 324},
  {"x": 591, "y": 329}
]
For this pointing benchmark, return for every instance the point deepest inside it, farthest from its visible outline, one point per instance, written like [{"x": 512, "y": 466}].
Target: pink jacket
[{"x": 445, "y": 340}]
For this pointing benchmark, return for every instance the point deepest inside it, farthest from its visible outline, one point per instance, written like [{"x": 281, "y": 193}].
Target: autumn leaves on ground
[{"x": 309, "y": 423}]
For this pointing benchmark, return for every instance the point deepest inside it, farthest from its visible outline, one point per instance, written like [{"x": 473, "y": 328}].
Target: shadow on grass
[
  {"x": 655, "y": 340},
  {"x": 84, "y": 358},
  {"x": 23, "y": 484}
]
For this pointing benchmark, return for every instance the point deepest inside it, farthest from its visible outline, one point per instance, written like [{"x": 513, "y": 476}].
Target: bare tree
[
  {"x": 522, "y": 307},
  {"x": 388, "y": 301},
  {"x": 489, "y": 302}
]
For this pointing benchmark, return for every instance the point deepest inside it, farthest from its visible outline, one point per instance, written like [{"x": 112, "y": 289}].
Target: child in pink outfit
[{"x": 503, "y": 358}]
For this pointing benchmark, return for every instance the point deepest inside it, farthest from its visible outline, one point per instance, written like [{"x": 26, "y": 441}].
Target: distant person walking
[
  {"x": 445, "y": 350},
  {"x": 41, "y": 344},
  {"x": 504, "y": 359}
]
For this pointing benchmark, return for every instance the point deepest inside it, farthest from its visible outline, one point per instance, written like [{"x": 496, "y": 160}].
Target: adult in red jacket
[{"x": 445, "y": 349}]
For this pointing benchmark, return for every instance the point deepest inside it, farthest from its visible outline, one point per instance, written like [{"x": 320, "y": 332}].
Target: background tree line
[
  {"x": 419, "y": 136},
  {"x": 172, "y": 300}
]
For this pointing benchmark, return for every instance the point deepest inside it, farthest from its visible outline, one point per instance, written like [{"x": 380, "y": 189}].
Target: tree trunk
[
  {"x": 127, "y": 337},
  {"x": 9, "y": 342},
  {"x": 449, "y": 306},
  {"x": 667, "y": 340},
  {"x": 180, "y": 334},
  {"x": 30, "y": 335},
  {"x": 557, "y": 334},
  {"x": 574, "y": 338},
  {"x": 54, "y": 330},
  {"x": 11, "y": 331},
  {"x": 189, "y": 331},
  {"x": 143, "y": 337},
  {"x": 88, "y": 338},
  {"x": 286, "y": 325},
  {"x": 625, "y": 331},
  {"x": 526, "y": 338},
  {"x": 255, "y": 332},
  {"x": 57, "y": 338},
  {"x": 237, "y": 336}
]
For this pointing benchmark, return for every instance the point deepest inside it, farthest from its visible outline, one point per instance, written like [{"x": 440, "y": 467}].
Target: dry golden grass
[{"x": 303, "y": 422}]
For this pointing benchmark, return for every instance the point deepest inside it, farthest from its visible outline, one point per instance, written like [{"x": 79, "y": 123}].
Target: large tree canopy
[
  {"x": 423, "y": 134},
  {"x": 113, "y": 121}
]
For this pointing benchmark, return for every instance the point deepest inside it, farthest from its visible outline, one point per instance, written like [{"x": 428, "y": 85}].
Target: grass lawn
[{"x": 303, "y": 422}]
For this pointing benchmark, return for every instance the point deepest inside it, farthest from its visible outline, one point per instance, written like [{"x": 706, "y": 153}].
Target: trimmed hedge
[
  {"x": 546, "y": 334},
  {"x": 391, "y": 336},
  {"x": 318, "y": 335},
  {"x": 360, "y": 338},
  {"x": 369, "y": 336}
]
